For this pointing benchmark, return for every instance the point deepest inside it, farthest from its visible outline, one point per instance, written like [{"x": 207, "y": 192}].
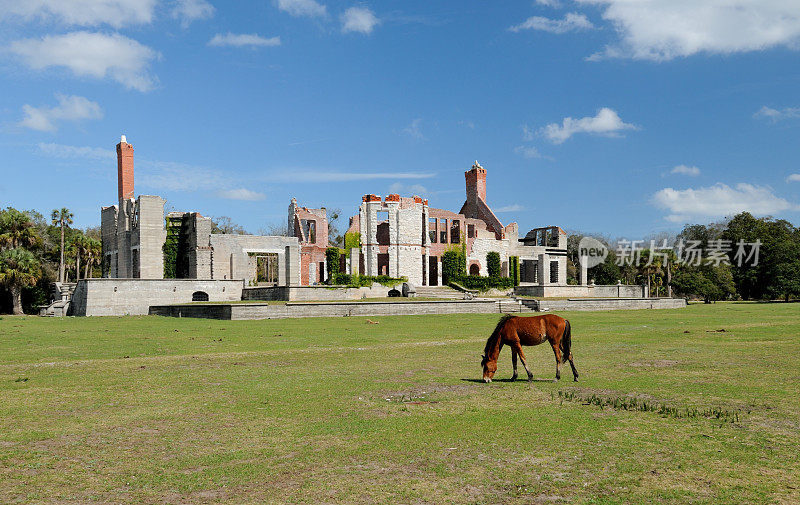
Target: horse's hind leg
[
  {"x": 557, "y": 352},
  {"x": 514, "y": 363},
  {"x": 574, "y": 370}
]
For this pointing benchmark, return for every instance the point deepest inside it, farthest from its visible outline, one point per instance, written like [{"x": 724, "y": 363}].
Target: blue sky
[{"x": 604, "y": 116}]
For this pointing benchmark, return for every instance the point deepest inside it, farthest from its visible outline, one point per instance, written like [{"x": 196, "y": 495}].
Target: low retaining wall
[
  {"x": 323, "y": 309},
  {"x": 120, "y": 297},
  {"x": 580, "y": 291},
  {"x": 606, "y": 304},
  {"x": 315, "y": 293}
]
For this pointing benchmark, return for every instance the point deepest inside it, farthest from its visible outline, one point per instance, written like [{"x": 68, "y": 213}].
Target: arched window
[
  {"x": 199, "y": 296},
  {"x": 474, "y": 269}
]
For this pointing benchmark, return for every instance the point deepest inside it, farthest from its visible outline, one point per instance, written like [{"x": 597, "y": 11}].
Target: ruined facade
[
  {"x": 140, "y": 242},
  {"x": 133, "y": 230},
  {"x": 310, "y": 227},
  {"x": 405, "y": 237}
]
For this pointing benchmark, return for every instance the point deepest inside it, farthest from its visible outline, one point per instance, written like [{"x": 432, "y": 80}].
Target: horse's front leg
[
  {"x": 514, "y": 363},
  {"x": 518, "y": 347}
]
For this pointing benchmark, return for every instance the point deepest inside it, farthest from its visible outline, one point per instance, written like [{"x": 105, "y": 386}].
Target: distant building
[
  {"x": 406, "y": 237},
  {"x": 139, "y": 242}
]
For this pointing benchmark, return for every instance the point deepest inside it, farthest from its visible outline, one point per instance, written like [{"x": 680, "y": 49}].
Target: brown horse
[{"x": 515, "y": 332}]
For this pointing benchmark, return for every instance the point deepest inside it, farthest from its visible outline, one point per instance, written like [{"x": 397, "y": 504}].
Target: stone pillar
[
  {"x": 584, "y": 279},
  {"x": 355, "y": 255},
  {"x": 544, "y": 269}
]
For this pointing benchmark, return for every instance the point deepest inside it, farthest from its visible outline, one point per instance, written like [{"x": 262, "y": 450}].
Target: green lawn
[{"x": 158, "y": 410}]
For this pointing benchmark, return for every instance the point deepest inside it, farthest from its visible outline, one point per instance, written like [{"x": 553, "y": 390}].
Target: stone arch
[
  {"x": 474, "y": 269},
  {"x": 199, "y": 296}
]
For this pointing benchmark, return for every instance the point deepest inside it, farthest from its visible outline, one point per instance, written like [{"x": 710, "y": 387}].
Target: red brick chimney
[
  {"x": 476, "y": 182},
  {"x": 124, "y": 169}
]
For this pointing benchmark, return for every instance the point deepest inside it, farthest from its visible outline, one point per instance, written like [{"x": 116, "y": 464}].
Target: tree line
[
  {"x": 36, "y": 251},
  {"x": 743, "y": 257}
]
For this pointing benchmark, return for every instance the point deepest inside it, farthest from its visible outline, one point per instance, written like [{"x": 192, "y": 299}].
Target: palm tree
[
  {"x": 61, "y": 218},
  {"x": 17, "y": 229},
  {"x": 19, "y": 268},
  {"x": 80, "y": 244},
  {"x": 94, "y": 252}
]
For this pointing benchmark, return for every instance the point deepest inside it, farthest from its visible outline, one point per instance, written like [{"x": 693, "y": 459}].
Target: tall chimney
[
  {"x": 124, "y": 169},
  {"x": 476, "y": 182}
]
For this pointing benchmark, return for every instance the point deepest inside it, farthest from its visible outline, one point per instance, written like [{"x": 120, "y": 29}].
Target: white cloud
[
  {"x": 793, "y": 178},
  {"x": 63, "y": 151},
  {"x": 411, "y": 189},
  {"x": 241, "y": 194},
  {"x": 775, "y": 115},
  {"x": 192, "y": 10},
  {"x": 571, "y": 22},
  {"x": 667, "y": 29},
  {"x": 527, "y": 133},
  {"x": 607, "y": 122},
  {"x": 719, "y": 200},
  {"x": 299, "y": 8},
  {"x": 510, "y": 208},
  {"x": 115, "y": 13},
  {"x": 686, "y": 170},
  {"x": 88, "y": 54},
  {"x": 69, "y": 108},
  {"x": 528, "y": 152},
  {"x": 243, "y": 40},
  {"x": 414, "y": 129},
  {"x": 358, "y": 19},
  {"x": 549, "y": 3},
  {"x": 172, "y": 176}
]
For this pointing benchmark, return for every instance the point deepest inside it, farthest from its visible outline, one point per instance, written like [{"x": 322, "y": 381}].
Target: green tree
[
  {"x": 19, "y": 269},
  {"x": 225, "y": 225},
  {"x": 61, "y": 218},
  {"x": 493, "y": 263},
  {"x": 332, "y": 259},
  {"x": 17, "y": 230}
]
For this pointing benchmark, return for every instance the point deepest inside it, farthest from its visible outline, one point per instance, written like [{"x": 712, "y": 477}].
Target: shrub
[
  {"x": 493, "y": 263},
  {"x": 476, "y": 283},
  {"x": 454, "y": 265},
  {"x": 352, "y": 240},
  {"x": 513, "y": 269},
  {"x": 366, "y": 280},
  {"x": 332, "y": 255}
]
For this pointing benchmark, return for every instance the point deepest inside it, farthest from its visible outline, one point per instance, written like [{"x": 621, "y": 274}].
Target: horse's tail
[{"x": 566, "y": 341}]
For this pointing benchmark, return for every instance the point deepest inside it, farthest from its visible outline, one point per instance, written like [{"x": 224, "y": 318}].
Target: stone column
[
  {"x": 584, "y": 278},
  {"x": 544, "y": 269},
  {"x": 355, "y": 254}
]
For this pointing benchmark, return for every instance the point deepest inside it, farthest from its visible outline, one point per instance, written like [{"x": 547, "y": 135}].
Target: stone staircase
[
  {"x": 62, "y": 296},
  {"x": 439, "y": 292}
]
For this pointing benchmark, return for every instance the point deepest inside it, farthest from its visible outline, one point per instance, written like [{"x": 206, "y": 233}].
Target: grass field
[{"x": 158, "y": 410}]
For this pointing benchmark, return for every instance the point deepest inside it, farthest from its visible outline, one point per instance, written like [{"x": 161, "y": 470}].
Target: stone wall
[
  {"x": 611, "y": 304},
  {"x": 315, "y": 293},
  {"x": 232, "y": 260},
  {"x": 323, "y": 309},
  {"x": 148, "y": 235},
  {"x": 119, "y": 297},
  {"x": 580, "y": 291}
]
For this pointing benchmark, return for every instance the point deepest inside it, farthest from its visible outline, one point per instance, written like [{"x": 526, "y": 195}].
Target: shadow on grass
[{"x": 509, "y": 380}]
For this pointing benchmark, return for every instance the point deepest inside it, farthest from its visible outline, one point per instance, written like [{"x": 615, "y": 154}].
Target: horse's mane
[{"x": 496, "y": 333}]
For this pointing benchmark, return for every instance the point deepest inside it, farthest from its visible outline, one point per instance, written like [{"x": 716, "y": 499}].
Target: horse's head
[{"x": 489, "y": 368}]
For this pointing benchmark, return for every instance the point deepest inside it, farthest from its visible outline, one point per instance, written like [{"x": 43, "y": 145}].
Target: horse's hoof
[
  {"x": 575, "y": 379},
  {"x": 487, "y": 381}
]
